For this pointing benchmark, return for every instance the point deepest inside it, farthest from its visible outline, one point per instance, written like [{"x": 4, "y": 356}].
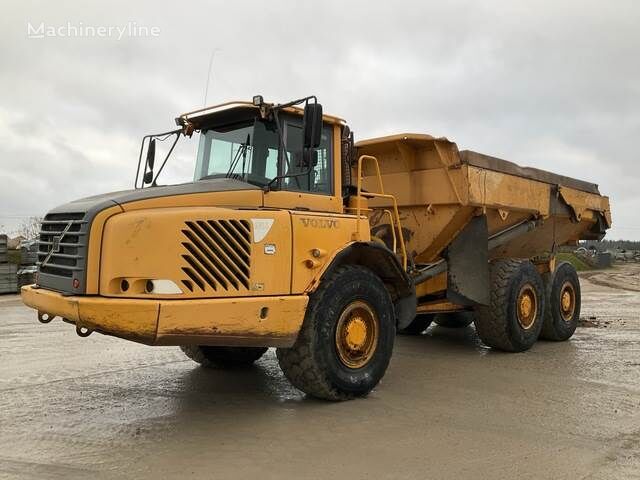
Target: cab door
[{"x": 318, "y": 191}]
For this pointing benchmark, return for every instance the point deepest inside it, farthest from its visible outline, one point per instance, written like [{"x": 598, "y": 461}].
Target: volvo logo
[
  {"x": 55, "y": 247},
  {"x": 55, "y": 243},
  {"x": 319, "y": 222}
]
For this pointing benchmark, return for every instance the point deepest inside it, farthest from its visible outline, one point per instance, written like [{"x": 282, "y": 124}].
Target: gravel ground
[{"x": 448, "y": 407}]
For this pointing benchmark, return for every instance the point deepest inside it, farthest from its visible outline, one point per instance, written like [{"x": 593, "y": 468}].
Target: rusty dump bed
[
  {"x": 499, "y": 165},
  {"x": 439, "y": 190}
]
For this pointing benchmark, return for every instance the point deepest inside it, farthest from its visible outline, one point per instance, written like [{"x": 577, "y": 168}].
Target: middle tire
[
  {"x": 454, "y": 319},
  {"x": 513, "y": 319},
  {"x": 223, "y": 357},
  {"x": 418, "y": 325},
  {"x": 346, "y": 340}
]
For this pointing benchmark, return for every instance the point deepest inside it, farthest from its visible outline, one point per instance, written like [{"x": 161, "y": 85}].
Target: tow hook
[
  {"x": 45, "y": 317},
  {"x": 83, "y": 331}
]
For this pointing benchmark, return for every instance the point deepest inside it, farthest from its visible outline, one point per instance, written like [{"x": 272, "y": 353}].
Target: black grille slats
[
  {"x": 66, "y": 234},
  {"x": 217, "y": 254}
]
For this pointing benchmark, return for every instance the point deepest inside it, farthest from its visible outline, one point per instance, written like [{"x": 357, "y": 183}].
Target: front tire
[
  {"x": 346, "y": 340},
  {"x": 223, "y": 357},
  {"x": 513, "y": 319},
  {"x": 562, "y": 312}
]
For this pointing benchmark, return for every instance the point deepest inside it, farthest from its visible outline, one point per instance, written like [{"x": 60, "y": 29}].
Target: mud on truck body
[{"x": 293, "y": 236}]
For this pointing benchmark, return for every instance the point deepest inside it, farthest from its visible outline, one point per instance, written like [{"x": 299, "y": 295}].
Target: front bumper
[{"x": 247, "y": 321}]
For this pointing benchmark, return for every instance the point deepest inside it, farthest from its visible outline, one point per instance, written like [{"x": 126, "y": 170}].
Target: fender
[{"x": 384, "y": 263}]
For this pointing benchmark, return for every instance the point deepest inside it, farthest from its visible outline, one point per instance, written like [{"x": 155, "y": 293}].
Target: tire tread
[{"x": 298, "y": 363}]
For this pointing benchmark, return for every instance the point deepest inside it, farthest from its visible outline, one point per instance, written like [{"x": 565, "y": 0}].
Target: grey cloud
[{"x": 549, "y": 84}]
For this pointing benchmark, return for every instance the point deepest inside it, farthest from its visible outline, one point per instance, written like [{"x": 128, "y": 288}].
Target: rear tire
[
  {"x": 513, "y": 319},
  {"x": 418, "y": 325},
  {"x": 346, "y": 340},
  {"x": 223, "y": 357},
  {"x": 562, "y": 310},
  {"x": 454, "y": 319}
]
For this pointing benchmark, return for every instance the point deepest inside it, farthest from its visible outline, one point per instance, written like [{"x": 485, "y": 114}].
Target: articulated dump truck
[{"x": 293, "y": 236}]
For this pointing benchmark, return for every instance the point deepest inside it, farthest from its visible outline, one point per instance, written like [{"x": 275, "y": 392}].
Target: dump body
[
  {"x": 441, "y": 192},
  {"x": 440, "y": 189}
]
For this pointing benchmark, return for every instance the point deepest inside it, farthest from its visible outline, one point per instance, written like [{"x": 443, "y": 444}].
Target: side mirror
[
  {"x": 309, "y": 158},
  {"x": 312, "y": 122},
  {"x": 151, "y": 159}
]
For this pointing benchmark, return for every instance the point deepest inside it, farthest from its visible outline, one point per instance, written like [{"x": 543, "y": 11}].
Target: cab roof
[{"x": 237, "y": 111}]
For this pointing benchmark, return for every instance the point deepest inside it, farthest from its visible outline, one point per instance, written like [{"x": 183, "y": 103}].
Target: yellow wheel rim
[
  {"x": 567, "y": 301},
  {"x": 357, "y": 335},
  {"x": 527, "y": 306}
]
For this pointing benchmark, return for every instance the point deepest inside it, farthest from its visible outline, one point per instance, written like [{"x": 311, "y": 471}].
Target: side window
[{"x": 319, "y": 179}]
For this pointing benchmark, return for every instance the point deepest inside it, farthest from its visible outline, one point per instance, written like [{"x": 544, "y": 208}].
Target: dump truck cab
[{"x": 292, "y": 236}]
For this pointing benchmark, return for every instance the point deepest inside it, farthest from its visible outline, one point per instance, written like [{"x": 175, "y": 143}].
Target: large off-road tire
[
  {"x": 223, "y": 357},
  {"x": 418, "y": 325},
  {"x": 346, "y": 340},
  {"x": 562, "y": 310},
  {"x": 454, "y": 319},
  {"x": 513, "y": 319}
]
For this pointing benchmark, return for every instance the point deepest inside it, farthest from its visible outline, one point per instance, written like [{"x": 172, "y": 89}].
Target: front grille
[
  {"x": 61, "y": 250},
  {"x": 217, "y": 255}
]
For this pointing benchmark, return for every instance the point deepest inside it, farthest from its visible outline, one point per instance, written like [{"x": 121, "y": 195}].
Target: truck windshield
[{"x": 249, "y": 152}]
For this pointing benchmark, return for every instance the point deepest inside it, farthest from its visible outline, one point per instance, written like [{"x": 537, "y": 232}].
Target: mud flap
[
  {"x": 468, "y": 265},
  {"x": 405, "y": 309}
]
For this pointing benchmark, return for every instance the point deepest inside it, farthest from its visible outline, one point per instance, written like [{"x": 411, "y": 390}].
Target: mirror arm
[
  {"x": 153, "y": 135},
  {"x": 177, "y": 134},
  {"x": 296, "y": 102}
]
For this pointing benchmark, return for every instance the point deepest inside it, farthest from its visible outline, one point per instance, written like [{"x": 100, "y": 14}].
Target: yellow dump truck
[{"x": 293, "y": 236}]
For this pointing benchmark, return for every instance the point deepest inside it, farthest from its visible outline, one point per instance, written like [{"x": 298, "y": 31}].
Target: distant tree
[{"x": 30, "y": 228}]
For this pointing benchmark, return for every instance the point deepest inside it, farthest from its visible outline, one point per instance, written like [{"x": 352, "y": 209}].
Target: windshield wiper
[{"x": 242, "y": 151}]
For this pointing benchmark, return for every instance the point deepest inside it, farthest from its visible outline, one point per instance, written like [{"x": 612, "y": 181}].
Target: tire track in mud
[
  {"x": 36, "y": 381},
  {"x": 624, "y": 277}
]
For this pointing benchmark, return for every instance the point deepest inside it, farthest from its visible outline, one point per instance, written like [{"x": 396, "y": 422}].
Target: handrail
[{"x": 381, "y": 194}]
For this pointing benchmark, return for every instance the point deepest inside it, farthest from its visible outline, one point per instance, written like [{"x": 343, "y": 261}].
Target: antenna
[{"x": 206, "y": 88}]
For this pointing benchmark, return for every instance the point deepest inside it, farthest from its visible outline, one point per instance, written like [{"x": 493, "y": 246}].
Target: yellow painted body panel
[
  {"x": 438, "y": 306},
  {"x": 583, "y": 203},
  {"x": 498, "y": 190},
  {"x": 303, "y": 200},
  {"x": 228, "y": 321},
  {"x": 95, "y": 244},
  {"x": 328, "y": 234},
  {"x": 150, "y": 244},
  {"x": 130, "y": 319},
  {"x": 433, "y": 284},
  {"x": 236, "y": 321},
  {"x": 50, "y": 302}
]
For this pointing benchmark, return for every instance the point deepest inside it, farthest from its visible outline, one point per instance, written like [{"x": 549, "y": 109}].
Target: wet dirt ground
[{"x": 447, "y": 408}]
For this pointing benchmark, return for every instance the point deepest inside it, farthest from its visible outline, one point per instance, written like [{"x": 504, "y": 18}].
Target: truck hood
[
  {"x": 94, "y": 204},
  {"x": 69, "y": 274}
]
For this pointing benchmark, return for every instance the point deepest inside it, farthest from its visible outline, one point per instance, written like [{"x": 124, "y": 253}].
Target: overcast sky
[{"x": 548, "y": 84}]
